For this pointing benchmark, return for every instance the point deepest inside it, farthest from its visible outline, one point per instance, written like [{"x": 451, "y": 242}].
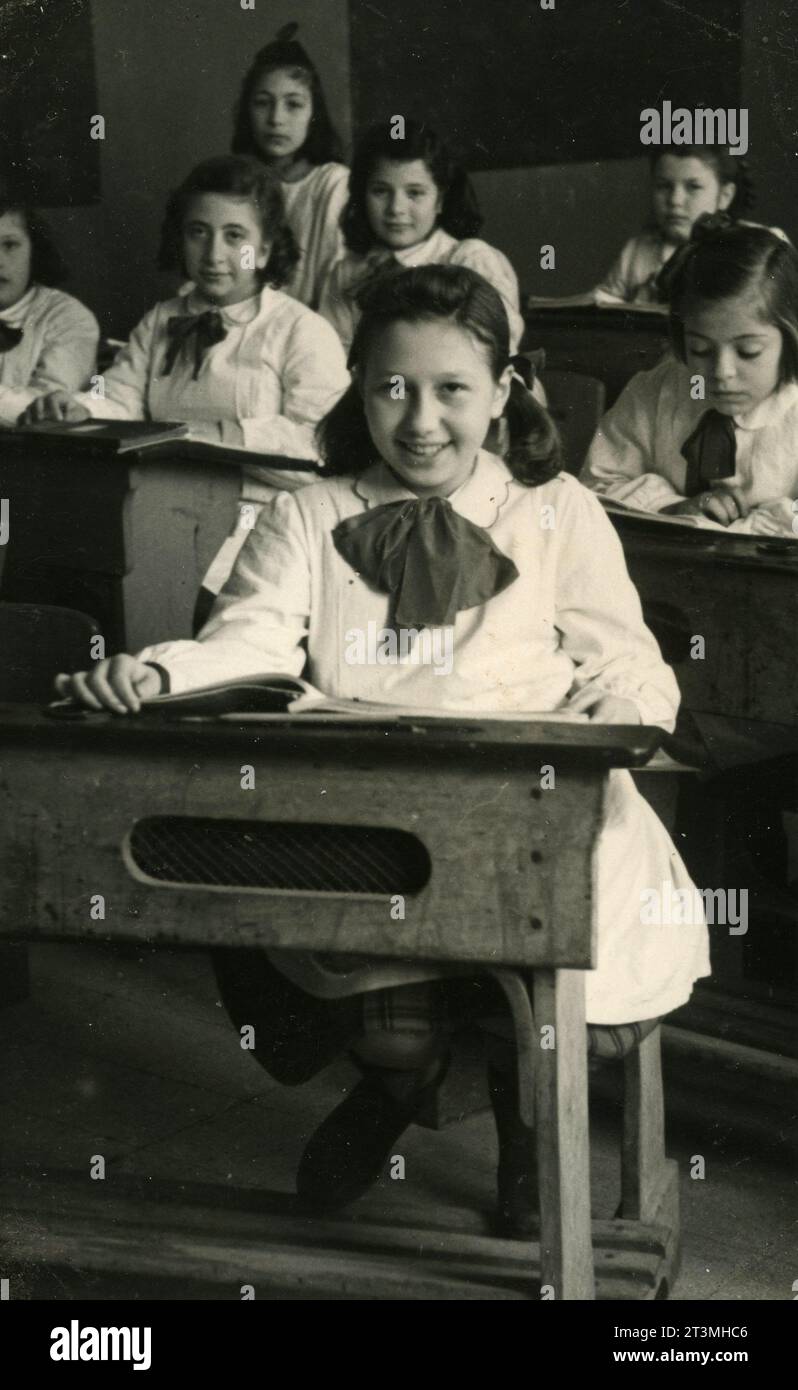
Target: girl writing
[
  {"x": 410, "y": 204},
  {"x": 711, "y": 433},
  {"x": 420, "y": 526},
  {"x": 48, "y": 340},
  {"x": 281, "y": 118}
]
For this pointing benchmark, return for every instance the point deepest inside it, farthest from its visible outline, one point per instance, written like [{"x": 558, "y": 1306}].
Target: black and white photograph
[{"x": 398, "y": 675}]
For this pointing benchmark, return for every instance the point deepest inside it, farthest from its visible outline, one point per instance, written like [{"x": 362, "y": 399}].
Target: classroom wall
[
  {"x": 162, "y": 117},
  {"x": 587, "y": 211},
  {"x": 168, "y": 72}
]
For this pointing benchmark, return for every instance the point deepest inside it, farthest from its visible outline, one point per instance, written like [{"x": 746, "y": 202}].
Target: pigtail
[
  {"x": 533, "y": 452},
  {"x": 343, "y": 438}
]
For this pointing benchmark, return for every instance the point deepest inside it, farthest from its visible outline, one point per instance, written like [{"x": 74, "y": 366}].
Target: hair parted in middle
[
  {"x": 724, "y": 259},
  {"x": 233, "y": 176},
  {"x": 452, "y": 294},
  {"x": 460, "y": 215},
  {"x": 286, "y": 54}
]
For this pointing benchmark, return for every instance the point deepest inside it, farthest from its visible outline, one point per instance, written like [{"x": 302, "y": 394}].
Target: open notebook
[
  {"x": 260, "y": 697},
  {"x": 272, "y": 696}
]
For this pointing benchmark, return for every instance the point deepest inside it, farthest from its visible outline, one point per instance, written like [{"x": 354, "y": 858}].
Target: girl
[
  {"x": 48, "y": 340},
  {"x": 410, "y": 204},
  {"x": 729, "y": 458},
  {"x": 281, "y": 118},
  {"x": 543, "y": 617},
  {"x": 243, "y": 363},
  {"x": 687, "y": 182}
]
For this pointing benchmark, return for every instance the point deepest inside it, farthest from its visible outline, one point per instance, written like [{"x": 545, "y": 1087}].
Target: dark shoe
[
  {"x": 517, "y": 1202},
  {"x": 348, "y": 1151}
]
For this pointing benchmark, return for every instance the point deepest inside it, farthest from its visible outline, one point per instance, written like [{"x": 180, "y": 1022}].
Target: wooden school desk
[
  {"x": 611, "y": 344},
  {"x": 740, "y": 593},
  {"x": 125, "y": 537},
  {"x": 495, "y": 873}
]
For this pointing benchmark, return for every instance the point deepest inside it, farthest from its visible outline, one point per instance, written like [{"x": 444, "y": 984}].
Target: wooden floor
[{"x": 128, "y": 1055}]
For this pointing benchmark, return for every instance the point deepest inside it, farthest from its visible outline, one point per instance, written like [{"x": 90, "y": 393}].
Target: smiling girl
[
  {"x": 730, "y": 456},
  {"x": 410, "y": 204},
  {"x": 281, "y": 118},
  {"x": 47, "y": 339},
  {"x": 420, "y": 527}
]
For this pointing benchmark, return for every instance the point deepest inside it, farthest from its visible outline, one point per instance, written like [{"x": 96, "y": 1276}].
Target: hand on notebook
[
  {"x": 721, "y": 503},
  {"x": 58, "y": 405},
  {"x": 119, "y": 684}
]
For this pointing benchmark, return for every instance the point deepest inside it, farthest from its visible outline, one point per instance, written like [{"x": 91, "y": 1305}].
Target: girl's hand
[
  {"x": 722, "y": 503},
  {"x": 605, "y": 709},
  {"x": 119, "y": 683},
  {"x": 58, "y": 405}
]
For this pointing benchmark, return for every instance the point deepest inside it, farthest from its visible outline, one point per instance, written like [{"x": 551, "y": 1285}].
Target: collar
[
  {"x": 479, "y": 499},
  {"x": 768, "y": 414},
  {"x": 15, "y": 314},
  {"x": 436, "y": 247},
  {"x": 243, "y": 312},
  {"x": 771, "y": 411}
]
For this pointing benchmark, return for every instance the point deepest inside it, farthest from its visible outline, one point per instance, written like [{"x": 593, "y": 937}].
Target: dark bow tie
[
  {"x": 9, "y": 336},
  {"x": 710, "y": 451},
  {"x": 432, "y": 561},
  {"x": 207, "y": 329}
]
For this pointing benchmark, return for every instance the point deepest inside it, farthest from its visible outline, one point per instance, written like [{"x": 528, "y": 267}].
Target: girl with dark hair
[
  {"x": 241, "y": 362},
  {"x": 281, "y": 118},
  {"x": 410, "y": 204},
  {"x": 688, "y": 181},
  {"x": 711, "y": 433},
  {"x": 421, "y": 531},
  {"x": 48, "y": 339}
]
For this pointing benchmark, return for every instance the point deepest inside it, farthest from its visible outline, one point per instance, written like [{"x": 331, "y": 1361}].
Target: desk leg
[{"x": 566, "y": 1249}]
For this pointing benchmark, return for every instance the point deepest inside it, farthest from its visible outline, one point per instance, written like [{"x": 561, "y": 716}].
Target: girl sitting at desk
[
  {"x": 410, "y": 204},
  {"x": 711, "y": 433},
  {"x": 282, "y": 119},
  {"x": 419, "y": 526},
  {"x": 688, "y": 182},
  {"x": 48, "y": 339},
  {"x": 242, "y": 362}
]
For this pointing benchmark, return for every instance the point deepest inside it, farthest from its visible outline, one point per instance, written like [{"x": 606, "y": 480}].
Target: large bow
[
  {"x": 710, "y": 451},
  {"x": 207, "y": 329},
  {"x": 432, "y": 561}
]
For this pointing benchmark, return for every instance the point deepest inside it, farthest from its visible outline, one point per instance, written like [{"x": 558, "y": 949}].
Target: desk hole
[
  {"x": 536, "y": 856},
  {"x": 536, "y": 793},
  {"x": 536, "y": 924}
]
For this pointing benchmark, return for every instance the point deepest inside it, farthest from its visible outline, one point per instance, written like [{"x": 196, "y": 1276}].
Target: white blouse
[
  {"x": 58, "y": 349},
  {"x": 631, "y": 277},
  {"x": 570, "y": 621},
  {"x": 338, "y": 303},
  {"x": 313, "y": 207},
  {"x": 636, "y": 458},
  {"x": 267, "y": 384}
]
